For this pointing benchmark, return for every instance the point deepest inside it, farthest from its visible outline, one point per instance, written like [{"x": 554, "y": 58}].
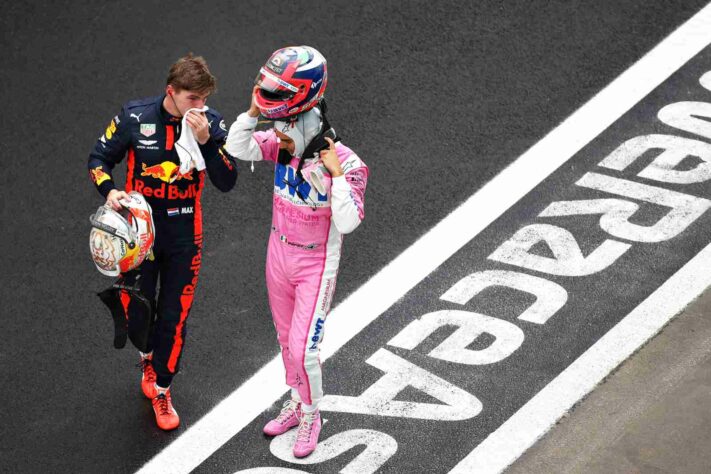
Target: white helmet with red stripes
[{"x": 121, "y": 240}]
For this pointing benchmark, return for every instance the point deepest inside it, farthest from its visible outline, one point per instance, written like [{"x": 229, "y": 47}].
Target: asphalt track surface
[{"x": 436, "y": 98}]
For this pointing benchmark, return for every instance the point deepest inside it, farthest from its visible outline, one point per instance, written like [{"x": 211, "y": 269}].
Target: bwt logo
[
  {"x": 287, "y": 173},
  {"x": 317, "y": 334}
]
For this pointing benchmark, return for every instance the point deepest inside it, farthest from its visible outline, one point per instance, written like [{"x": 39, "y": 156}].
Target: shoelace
[
  {"x": 288, "y": 408},
  {"x": 143, "y": 365},
  {"x": 162, "y": 404},
  {"x": 307, "y": 422}
]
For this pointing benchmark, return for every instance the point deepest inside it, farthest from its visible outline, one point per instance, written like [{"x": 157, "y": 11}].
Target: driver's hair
[{"x": 191, "y": 73}]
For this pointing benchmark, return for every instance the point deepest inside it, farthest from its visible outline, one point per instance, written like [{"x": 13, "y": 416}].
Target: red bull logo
[
  {"x": 98, "y": 175},
  {"x": 169, "y": 191},
  {"x": 166, "y": 171}
]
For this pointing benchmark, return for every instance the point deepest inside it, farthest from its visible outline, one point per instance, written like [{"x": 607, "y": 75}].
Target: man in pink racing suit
[{"x": 307, "y": 225}]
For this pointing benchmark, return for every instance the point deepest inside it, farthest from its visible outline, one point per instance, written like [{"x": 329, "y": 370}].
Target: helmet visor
[
  {"x": 110, "y": 221},
  {"x": 273, "y": 87}
]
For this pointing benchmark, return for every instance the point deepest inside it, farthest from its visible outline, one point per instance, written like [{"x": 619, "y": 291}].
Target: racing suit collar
[{"x": 166, "y": 116}]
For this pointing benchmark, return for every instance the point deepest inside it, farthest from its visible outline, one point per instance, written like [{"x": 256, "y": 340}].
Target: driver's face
[
  {"x": 186, "y": 99},
  {"x": 286, "y": 142}
]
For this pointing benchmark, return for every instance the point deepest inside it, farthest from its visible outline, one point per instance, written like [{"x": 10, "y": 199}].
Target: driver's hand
[
  {"x": 253, "y": 110},
  {"x": 330, "y": 159},
  {"x": 201, "y": 127},
  {"x": 112, "y": 200}
]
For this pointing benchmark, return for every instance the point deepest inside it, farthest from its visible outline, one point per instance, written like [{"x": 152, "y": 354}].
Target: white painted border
[{"x": 375, "y": 296}]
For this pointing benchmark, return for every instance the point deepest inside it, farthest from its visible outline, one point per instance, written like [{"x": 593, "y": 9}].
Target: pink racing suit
[{"x": 304, "y": 249}]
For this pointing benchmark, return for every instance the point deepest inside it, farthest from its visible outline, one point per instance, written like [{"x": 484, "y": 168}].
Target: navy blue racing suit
[{"x": 146, "y": 133}]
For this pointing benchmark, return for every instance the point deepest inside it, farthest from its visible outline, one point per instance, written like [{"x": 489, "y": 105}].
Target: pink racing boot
[
  {"x": 287, "y": 419},
  {"x": 307, "y": 436}
]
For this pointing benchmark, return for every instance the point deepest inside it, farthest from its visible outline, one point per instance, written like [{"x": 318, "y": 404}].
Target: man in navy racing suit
[{"x": 146, "y": 132}]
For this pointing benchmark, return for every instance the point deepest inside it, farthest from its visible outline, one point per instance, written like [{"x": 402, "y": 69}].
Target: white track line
[{"x": 375, "y": 296}]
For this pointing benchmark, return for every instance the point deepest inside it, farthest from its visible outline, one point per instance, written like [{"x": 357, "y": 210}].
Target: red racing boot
[
  {"x": 166, "y": 416},
  {"x": 148, "y": 380},
  {"x": 287, "y": 419}
]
